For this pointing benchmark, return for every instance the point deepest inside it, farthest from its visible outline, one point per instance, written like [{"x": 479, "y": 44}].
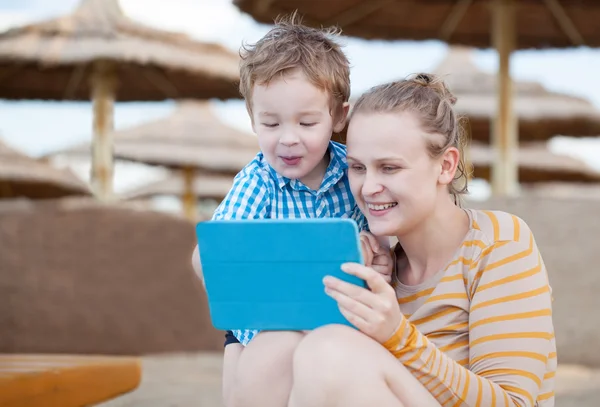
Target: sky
[{"x": 39, "y": 128}]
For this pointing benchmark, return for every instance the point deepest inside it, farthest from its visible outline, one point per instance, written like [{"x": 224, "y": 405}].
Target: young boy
[{"x": 296, "y": 83}]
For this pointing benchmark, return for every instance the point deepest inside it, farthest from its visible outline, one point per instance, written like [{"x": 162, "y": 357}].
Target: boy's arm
[
  {"x": 196, "y": 264},
  {"x": 248, "y": 198}
]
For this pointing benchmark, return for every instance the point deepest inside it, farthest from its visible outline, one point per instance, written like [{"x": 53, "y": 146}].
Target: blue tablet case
[{"x": 267, "y": 274}]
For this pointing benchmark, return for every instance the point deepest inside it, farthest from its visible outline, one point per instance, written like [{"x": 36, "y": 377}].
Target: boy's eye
[
  {"x": 307, "y": 124},
  {"x": 270, "y": 125}
]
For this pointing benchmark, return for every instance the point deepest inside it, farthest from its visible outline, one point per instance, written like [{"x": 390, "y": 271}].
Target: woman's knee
[
  {"x": 323, "y": 350},
  {"x": 264, "y": 365}
]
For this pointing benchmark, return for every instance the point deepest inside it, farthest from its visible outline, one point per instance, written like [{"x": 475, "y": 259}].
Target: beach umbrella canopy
[
  {"x": 191, "y": 137},
  {"x": 23, "y": 176},
  {"x": 537, "y": 165},
  {"x": 192, "y": 140},
  {"x": 541, "y": 114},
  {"x": 505, "y": 25},
  {"x": 98, "y": 53},
  {"x": 208, "y": 186}
]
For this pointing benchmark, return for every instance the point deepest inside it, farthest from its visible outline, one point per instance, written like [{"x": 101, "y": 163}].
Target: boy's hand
[{"x": 377, "y": 255}]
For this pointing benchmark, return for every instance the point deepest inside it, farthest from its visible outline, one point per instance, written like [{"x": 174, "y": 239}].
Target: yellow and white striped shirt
[{"x": 480, "y": 332}]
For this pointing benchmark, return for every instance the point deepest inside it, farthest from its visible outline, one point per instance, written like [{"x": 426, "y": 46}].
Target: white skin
[{"x": 390, "y": 166}]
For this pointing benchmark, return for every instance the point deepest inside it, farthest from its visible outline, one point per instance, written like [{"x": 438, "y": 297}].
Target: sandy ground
[{"x": 193, "y": 380}]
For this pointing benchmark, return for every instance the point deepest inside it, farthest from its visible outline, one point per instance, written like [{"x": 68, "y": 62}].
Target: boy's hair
[{"x": 291, "y": 45}]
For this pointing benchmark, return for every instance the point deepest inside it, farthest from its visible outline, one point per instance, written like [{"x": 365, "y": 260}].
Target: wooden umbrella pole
[
  {"x": 103, "y": 96},
  {"x": 189, "y": 198},
  {"x": 504, "y": 132}
]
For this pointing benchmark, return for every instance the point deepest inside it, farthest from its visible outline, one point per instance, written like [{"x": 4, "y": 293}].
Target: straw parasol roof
[
  {"x": 536, "y": 165},
  {"x": 97, "y": 53},
  {"x": 22, "y": 176},
  {"x": 204, "y": 187},
  {"x": 54, "y": 59},
  {"x": 540, "y": 24},
  {"x": 191, "y": 137},
  {"x": 541, "y": 114},
  {"x": 506, "y": 25}
]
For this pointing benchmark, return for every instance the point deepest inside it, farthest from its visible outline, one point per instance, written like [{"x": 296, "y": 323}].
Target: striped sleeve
[
  {"x": 510, "y": 333},
  {"x": 248, "y": 197}
]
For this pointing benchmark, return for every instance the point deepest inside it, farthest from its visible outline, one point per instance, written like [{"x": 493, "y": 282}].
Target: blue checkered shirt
[{"x": 259, "y": 192}]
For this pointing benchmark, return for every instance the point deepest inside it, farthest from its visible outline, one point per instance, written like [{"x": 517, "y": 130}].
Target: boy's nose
[{"x": 289, "y": 139}]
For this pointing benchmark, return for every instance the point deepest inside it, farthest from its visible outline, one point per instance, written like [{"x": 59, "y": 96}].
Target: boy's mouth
[{"x": 291, "y": 160}]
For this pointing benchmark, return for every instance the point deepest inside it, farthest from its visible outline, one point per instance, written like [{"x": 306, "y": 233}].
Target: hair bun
[
  {"x": 435, "y": 83},
  {"x": 424, "y": 79}
]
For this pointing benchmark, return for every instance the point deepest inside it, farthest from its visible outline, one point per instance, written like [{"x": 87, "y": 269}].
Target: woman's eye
[
  {"x": 270, "y": 125},
  {"x": 307, "y": 124},
  {"x": 357, "y": 168},
  {"x": 389, "y": 169}
]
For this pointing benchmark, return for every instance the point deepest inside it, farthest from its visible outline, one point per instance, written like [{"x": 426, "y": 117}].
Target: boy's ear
[{"x": 340, "y": 122}]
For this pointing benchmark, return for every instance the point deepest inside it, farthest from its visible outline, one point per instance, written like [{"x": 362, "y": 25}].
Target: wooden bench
[{"x": 65, "y": 380}]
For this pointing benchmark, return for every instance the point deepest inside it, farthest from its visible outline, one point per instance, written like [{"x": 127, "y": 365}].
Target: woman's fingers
[
  {"x": 373, "y": 242},
  {"x": 367, "y": 251},
  {"x": 350, "y": 305},
  {"x": 375, "y": 315},
  {"x": 374, "y": 280},
  {"x": 382, "y": 300}
]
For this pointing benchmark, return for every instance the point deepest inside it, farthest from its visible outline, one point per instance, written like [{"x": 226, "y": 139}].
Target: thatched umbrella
[
  {"x": 207, "y": 186},
  {"x": 513, "y": 25},
  {"x": 96, "y": 52},
  {"x": 23, "y": 176},
  {"x": 191, "y": 140},
  {"x": 541, "y": 114},
  {"x": 536, "y": 165}
]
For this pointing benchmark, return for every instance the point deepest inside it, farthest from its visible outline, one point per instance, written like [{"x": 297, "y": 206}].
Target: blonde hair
[
  {"x": 291, "y": 45},
  {"x": 428, "y": 97}
]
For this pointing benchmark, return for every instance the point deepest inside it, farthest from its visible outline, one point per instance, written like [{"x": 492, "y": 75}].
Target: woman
[{"x": 467, "y": 320}]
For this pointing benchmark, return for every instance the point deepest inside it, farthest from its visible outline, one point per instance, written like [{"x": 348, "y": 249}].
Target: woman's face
[{"x": 394, "y": 180}]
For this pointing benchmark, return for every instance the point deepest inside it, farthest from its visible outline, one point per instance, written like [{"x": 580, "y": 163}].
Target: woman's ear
[
  {"x": 449, "y": 163},
  {"x": 340, "y": 120}
]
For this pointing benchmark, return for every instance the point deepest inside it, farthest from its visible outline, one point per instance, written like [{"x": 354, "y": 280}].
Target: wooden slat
[{"x": 64, "y": 380}]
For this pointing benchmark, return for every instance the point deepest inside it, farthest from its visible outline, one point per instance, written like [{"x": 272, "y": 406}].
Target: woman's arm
[{"x": 510, "y": 334}]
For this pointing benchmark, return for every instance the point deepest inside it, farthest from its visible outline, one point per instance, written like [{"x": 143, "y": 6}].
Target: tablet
[{"x": 267, "y": 274}]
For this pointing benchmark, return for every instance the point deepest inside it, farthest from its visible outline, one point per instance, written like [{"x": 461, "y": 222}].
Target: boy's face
[{"x": 292, "y": 120}]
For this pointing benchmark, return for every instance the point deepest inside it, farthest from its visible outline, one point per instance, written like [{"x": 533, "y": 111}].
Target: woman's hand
[
  {"x": 375, "y": 313},
  {"x": 377, "y": 255}
]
